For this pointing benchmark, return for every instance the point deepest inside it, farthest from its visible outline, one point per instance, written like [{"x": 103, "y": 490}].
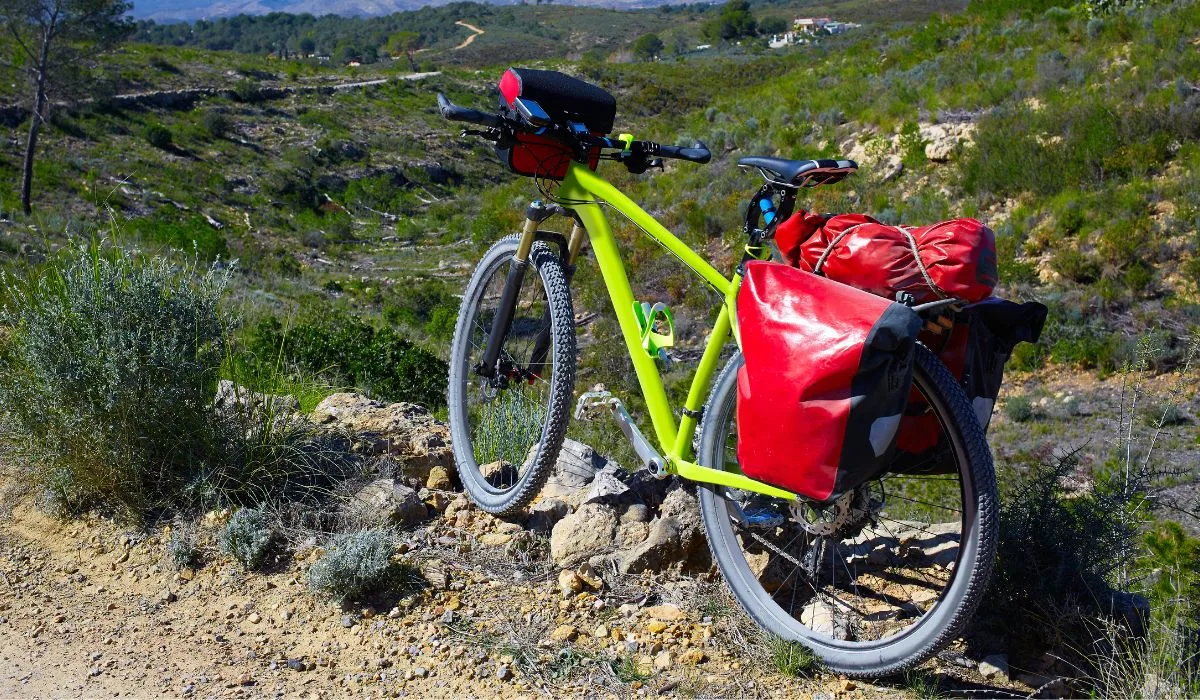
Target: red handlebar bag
[{"x": 825, "y": 380}]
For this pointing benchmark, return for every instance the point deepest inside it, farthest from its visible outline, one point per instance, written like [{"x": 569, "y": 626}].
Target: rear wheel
[
  {"x": 882, "y": 579},
  {"x": 507, "y": 429}
]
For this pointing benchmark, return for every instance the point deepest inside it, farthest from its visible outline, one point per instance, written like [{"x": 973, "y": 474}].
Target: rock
[
  {"x": 569, "y": 582},
  {"x": 439, "y": 479},
  {"x": 238, "y": 402},
  {"x": 495, "y": 539},
  {"x": 588, "y": 531},
  {"x": 545, "y": 514},
  {"x": 504, "y": 673},
  {"x": 254, "y": 618},
  {"x": 892, "y": 168},
  {"x": 605, "y": 485},
  {"x": 655, "y": 626},
  {"x": 574, "y": 471},
  {"x": 942, "y": 140},
  {"x": 347, "y": 621},
  {"x": 846, "y": 685},
  {"x": 636, "y": 513},
  {"x": 588, "y": 574},
  {"x": 822, "y": 617},
  {"x": 994, "y": 666},
  {"x": 406, "y": 432},
  {"x": 601, "y": 632},
  {"x": 666, "y": 613},
  {"x": 693, "y": 656},
  {"x": 564, "y": 633},
  {"x": 296, "y": 665},
  {"x": 632, "y": 534},
  {"x": 662, "y": 662},
  {"x": 386, "y": 501},
  {"x": 675, "y": 539}
]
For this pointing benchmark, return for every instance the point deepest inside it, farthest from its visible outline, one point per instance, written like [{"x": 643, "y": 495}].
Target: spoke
[{"x": 924, "y": 503}]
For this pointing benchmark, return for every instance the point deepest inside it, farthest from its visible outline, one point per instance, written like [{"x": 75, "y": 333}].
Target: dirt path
[
  {"x": 88, "y": 609},
  {"x": 467, "y": 42}
]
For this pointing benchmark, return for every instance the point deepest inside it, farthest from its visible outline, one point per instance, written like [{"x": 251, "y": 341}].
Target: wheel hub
[{"x": 845, "y": 519}]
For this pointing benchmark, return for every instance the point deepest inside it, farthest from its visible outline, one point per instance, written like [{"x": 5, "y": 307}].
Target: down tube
[{"x": 613, "y": 270}]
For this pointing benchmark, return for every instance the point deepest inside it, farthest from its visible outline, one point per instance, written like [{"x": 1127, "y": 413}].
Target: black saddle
[{"x": 801, "y": 173}]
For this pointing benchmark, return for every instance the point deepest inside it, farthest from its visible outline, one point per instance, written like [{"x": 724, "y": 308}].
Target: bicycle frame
[{"x": 592, "y": 192}]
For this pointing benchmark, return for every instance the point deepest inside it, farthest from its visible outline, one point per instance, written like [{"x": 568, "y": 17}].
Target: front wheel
[
  {"x": 507, "y": 429},
  {"x": 884, "y": 578}
]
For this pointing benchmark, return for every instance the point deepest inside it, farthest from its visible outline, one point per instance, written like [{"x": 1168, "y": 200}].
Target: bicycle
[{"x": 873, "y": 584}]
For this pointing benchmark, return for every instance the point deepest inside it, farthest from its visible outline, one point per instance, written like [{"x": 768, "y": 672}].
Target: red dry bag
[
  {"x": 825, "y": 381},
  {"x": 955, "y": 258}
]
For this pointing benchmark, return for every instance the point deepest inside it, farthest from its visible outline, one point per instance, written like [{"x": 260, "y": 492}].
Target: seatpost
[{"x": 534, "y": 216}]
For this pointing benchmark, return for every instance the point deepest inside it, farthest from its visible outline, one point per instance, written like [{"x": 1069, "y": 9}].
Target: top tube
[{"x": 584, "y": 186}]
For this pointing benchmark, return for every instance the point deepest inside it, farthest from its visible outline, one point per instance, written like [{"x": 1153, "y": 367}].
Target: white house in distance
[{"x": 822, "y": 25}]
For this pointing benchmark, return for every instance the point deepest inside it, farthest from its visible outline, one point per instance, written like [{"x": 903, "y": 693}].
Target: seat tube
[{"x": 534, "y": 216}]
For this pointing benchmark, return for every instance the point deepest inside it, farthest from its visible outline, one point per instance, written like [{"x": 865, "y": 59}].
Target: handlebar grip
[
  {"x": 696, "y": 154},
  {"x": 455, "y": 113}
]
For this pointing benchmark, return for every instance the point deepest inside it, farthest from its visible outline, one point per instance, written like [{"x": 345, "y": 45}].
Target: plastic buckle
[
  {"x": 650, "y": 321},
  {"x": 626, "y": 139}
]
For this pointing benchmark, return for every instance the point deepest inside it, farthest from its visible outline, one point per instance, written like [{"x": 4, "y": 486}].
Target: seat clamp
[{"x": 693, "y": 414}]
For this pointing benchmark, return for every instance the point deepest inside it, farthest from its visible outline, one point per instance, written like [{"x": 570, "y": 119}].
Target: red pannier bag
[
  {"x": 826, "y": 378},
  {"x": 955, "y": 258}
]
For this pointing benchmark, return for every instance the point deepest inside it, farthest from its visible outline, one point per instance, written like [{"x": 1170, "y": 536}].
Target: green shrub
[
  {"x": 108, "y": 377},
  {"x": 181, "y": 548},
  {"x": 355, "y": 564},
  {"x": 246, "y": 537},
  {"x": 377, "y": 360},
  {"x": 247, "y": 90},
  {"x": 1059, "y": 552},
  {"x": 158, "y": 136},
  {"x": 1018, "y": 408},
  {"x": 215, "y": 124},
  {"x": 792, "y": 659}
]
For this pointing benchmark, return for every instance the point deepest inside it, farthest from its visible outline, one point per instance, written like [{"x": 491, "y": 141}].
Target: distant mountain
[{"x": 189, "y": 10}]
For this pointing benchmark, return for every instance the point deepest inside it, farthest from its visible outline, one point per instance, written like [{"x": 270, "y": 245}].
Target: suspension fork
[{"x": 502, "y": 323}]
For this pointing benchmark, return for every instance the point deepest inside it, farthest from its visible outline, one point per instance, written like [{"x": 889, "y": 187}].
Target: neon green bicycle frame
[{"x": 675, "y": 441}]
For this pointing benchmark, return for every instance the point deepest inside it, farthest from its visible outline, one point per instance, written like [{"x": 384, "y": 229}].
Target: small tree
[
  {"x": 735, "y": 21},
  {"x": 308, "y": 46},
  {"x": 407, "y": 43},
  {"x": 770, "y": 26},
  {"x": 54, "y": 44},
  {"x": 647, "y": 47}
]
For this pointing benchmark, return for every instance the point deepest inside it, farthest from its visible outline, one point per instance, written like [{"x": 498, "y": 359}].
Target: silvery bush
[{"x": 107, "y": 375}]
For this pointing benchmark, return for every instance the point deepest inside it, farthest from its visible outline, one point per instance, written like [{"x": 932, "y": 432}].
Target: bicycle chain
[{"x": 809, "y": 568}]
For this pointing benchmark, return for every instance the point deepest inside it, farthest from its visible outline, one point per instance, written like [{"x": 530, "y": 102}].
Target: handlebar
[
  {"x": 637, "y": 155},
  {"x": 455, "y": 113},
  {"x": 696, "y": 154}
]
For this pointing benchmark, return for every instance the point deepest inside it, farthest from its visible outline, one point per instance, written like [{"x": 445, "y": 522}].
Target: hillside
[
  {"x": 355, "y": 215},
  {"x": 190, "y": 10}
]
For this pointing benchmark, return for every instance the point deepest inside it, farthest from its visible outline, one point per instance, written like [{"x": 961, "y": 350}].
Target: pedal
[{"x": 595, "y": 403}]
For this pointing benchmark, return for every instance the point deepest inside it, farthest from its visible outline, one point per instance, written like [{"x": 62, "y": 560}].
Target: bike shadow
[{"x": 946, "y": 684}]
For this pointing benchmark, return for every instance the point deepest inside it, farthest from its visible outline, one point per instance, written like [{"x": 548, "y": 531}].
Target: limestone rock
[
  {"x": 994, "y": 666},
  {"x": 546, "y": 513},
  {"x": 574, "y": 473},
  {"x": 406, "y": 432},
  {"x": 234, "y": 401},
  {"x": 386, "y": 501},
  {"x": 439, "y": 479},
  {"x": 586, "y": 532}
]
